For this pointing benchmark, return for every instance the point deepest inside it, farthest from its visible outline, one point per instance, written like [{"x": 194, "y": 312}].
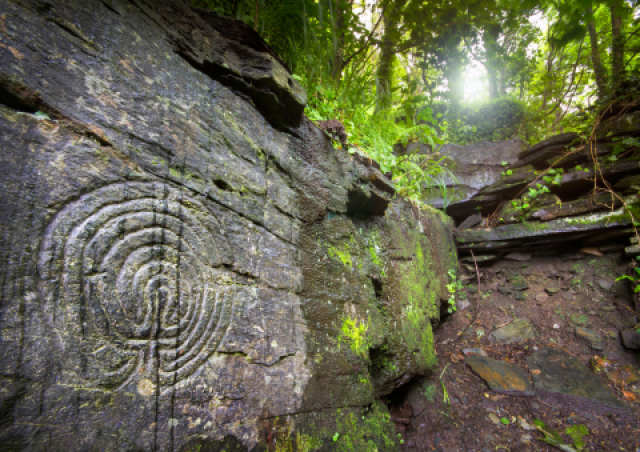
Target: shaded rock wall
[{"x": 186, "y": 262}]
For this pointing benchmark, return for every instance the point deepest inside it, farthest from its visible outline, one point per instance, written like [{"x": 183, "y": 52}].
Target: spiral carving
[{"x": 130, "y": 271}]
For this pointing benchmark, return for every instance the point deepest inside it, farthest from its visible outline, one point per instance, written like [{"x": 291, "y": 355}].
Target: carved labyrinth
[{"x": 129, "y": 276}]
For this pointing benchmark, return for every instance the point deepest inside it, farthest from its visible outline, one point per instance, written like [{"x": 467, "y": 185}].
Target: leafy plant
[
  {"x": 634, "y": 277},
  {"x": 554, "y": 176},
  {"x": 429, "y": 391},
  {"x": 576, "y": 432},
  {"x": 454, "y": 288}
]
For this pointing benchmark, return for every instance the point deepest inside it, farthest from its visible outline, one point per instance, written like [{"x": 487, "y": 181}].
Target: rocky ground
[{"x": 544, "y": 333}]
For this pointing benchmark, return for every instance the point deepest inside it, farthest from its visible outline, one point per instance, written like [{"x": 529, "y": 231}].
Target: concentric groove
[{"x": 129, "y": 272}]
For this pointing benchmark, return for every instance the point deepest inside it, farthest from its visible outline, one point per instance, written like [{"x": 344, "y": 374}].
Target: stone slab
[
  {"x": 501, "y": 376},
  {"x": 519, "y": 330},
  {"x": 561, "y": 373},
  {"x": 630, "y": 339}
]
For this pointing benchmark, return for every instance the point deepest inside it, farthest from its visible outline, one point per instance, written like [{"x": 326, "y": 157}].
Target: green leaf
[
  {"x": 336, "y": 436},
  {"x": 41, "y": 115},
  {"x": 576, "y": 432},
  {"x": 504, "y": 420}
]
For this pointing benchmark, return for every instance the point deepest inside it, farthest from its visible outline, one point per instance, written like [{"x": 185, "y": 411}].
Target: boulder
[{"x": 187, "y": 262}]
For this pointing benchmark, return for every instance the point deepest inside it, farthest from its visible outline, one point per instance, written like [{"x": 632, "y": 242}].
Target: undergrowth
[{"x": 377, "y": 133}]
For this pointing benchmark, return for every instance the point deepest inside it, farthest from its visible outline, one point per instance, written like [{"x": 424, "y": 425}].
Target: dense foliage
[{"x": 393, "y": 71}]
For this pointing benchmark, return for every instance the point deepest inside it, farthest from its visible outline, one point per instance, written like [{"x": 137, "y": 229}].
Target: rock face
[
  {"x": 187, "y": 263},
  {"x": 560, "y": 192},
  {"x": 472, "y": 168}
]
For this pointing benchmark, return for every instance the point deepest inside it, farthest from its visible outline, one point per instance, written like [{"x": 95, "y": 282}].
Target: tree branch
[{"x": 368, "y": 40}]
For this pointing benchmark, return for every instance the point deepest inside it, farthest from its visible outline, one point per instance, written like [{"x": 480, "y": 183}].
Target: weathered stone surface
[
  {"x": 564, "y": 139},
  {"x": 631, "y": 339},
  {"x": 501, "y": 376},
  {"x": 517, "y": 256},
  {"x": 580, "y": 206},
  {"x": 593, "y": 339},
  {"x": 520, "y": 217},
  {"x": 519, "y": 330},
  {"x": 186, "y": 262},
  {"x": 471, "y": 221},
  {"x": 604, "y": 284},
  {"x": 567, "y": 226},
  {"x": 561, "y": 373},
  {"x": 474, "y": 351},
  {"x": 520, "y": 285},
  {"x": 542, "y": 296},
  {"x": 474, "y": 167}
]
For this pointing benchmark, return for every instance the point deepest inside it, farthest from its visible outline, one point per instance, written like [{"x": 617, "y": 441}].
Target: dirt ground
[{"x": 580, "y": 291}]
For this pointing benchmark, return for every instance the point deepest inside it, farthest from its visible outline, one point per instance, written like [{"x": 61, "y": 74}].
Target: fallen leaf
[
  {"x": 16, "y": 53},
  {"x": 599, "y": 364},
  {"x": 630, "y": 396},
  {"x": 625, "y": 374},
  {"x": 493, "y": 418},
  {"x": 523, "y": 424}
]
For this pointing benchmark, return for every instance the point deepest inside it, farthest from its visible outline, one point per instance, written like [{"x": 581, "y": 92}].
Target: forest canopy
[{"x": 455, "y": 71}]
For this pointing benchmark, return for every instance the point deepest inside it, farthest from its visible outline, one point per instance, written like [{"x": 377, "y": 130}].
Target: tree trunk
[
  {"x": 522, "y": 81},
  {"x": 387, "y": 56},
  {"x": 490, "y": 37},
  {"x": 338, "y": 57},
  {"x": 453, "y": 69},
  {"x": 503, "y": 81},
  {"x": 598, "y": 68},
  {"x": 617, "y": 48}
]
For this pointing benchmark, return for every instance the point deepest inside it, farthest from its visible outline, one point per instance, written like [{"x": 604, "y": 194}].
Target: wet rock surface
[{"x": 187, "y": 263}]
